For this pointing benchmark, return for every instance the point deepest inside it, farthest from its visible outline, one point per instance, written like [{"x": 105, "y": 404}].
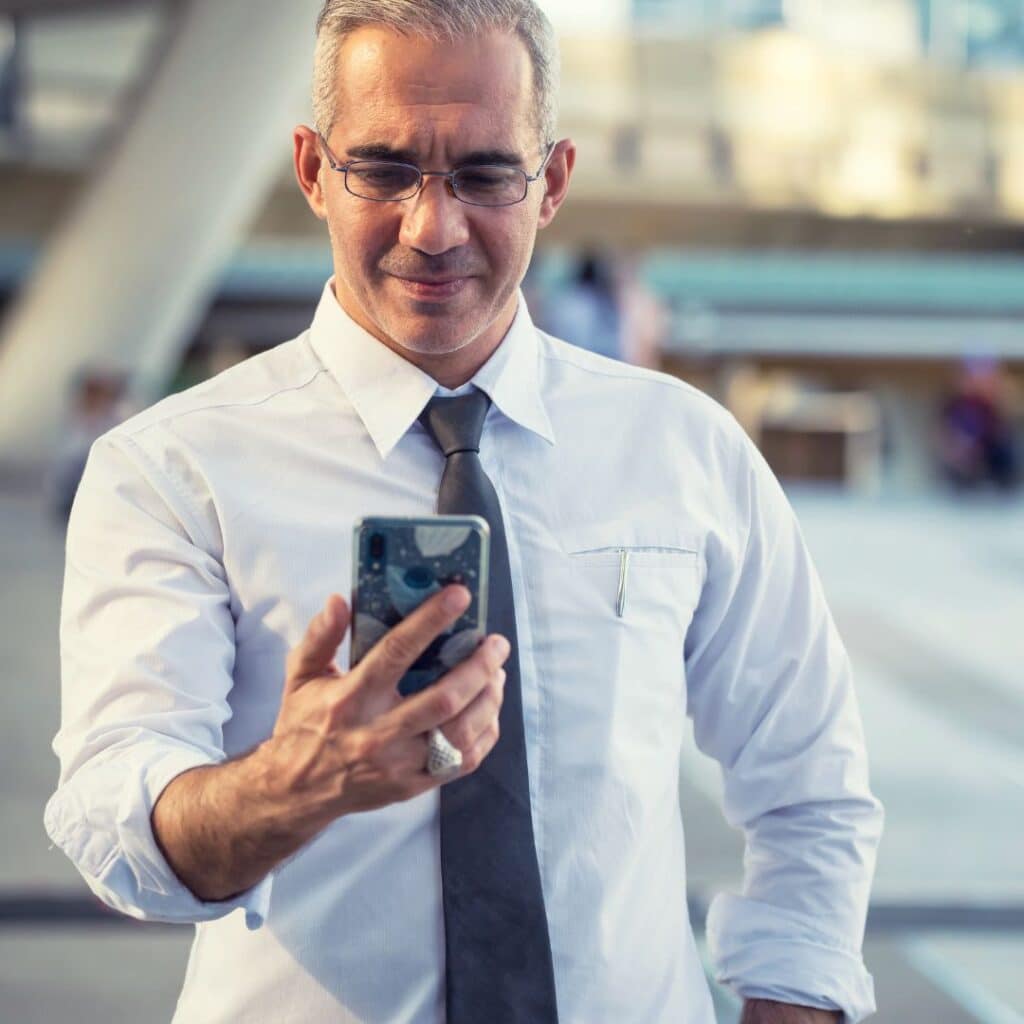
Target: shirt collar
[{"x": 388, "y": 392}]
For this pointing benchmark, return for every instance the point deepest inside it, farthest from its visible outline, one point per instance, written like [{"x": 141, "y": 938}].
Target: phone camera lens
[
  {"x": 377, "y": 546},
  {"x": 419, "y": 577}
]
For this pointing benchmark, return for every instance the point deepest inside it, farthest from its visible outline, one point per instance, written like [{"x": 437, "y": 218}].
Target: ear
[
  {"x": 556, "y": 180},
  {"x": 308, "y": 164}
]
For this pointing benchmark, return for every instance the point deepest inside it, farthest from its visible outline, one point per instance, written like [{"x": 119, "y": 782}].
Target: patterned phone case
[{"x": 397, "y": 563}]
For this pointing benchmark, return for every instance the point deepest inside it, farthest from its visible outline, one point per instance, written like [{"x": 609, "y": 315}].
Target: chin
[
  {"x": 431, "y": 335},
  {"x": 431, "y": 345}
]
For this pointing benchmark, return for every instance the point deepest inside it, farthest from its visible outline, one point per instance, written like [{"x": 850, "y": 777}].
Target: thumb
[{"x": 315, "y": 652}]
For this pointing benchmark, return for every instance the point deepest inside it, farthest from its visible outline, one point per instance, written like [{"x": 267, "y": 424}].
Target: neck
[
  {"x": 453, "y": 369},
  {"x": 449, "y": 369}
]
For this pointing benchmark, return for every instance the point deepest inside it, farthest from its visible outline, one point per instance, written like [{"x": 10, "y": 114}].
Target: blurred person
[
  {"x": 976, "y": 442},
  {"x": 586, "y": 311},
  {"x": 646, "y": 321},
  {"x": 98, "y": 402},
  {"x": 225, "y": 353},
  {"x": 218, "y": 751}
]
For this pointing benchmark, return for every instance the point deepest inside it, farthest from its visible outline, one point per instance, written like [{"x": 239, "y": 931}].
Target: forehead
[{"x": 414, "y": 92}]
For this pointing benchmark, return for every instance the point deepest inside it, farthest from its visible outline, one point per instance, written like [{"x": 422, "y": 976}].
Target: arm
[
  {"x": 224, "y": 828},
  {"x": 159, "y": 824},
  {"x": 771, "y": 695},
  {"x": 147, "y": 656}
]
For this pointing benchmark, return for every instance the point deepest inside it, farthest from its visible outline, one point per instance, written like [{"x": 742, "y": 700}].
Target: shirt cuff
[
  {"x": 100, "y": 818},
  {"x": 766, "y": 952}
]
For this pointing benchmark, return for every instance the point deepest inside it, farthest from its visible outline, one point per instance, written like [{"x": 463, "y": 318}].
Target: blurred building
[{"x": 824, "y": 195}]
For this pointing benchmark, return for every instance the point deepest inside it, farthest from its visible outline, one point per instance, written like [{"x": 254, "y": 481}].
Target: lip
[{"x": 433, "y": 289}]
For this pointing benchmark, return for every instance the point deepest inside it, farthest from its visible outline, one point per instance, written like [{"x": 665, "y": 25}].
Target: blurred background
[{"x": 811, "y": 209}]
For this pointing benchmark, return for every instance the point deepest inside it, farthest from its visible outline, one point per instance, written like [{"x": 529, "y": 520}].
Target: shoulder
[
  {"x": 173, "y": 459},
  {"x": 254, "y": 382},
  {"x": 657, "y": 398},
  {"x": 604, "y": 371}
]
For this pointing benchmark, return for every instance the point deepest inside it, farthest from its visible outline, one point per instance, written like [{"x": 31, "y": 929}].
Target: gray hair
[{"x": 441, "y": 21}]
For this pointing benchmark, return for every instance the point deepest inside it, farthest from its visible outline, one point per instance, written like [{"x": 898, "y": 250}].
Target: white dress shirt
[{"x": 657, "y": 571}]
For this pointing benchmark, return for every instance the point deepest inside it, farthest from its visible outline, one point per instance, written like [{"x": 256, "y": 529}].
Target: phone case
[{"x": 397, "y": 563}]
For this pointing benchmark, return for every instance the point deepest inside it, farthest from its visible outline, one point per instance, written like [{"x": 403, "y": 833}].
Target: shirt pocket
[
  {"x": 655, "y": 544},
  {"x": 627, "y": 593},
  {"x": 641, "y": 565}
]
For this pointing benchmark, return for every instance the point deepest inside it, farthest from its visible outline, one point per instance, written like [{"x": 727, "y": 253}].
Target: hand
[
  {"x": 767, "y": 1011},
  {"x": 346, "y": 742}
]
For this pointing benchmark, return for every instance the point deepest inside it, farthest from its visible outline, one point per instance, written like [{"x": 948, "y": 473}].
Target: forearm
[
  {"x": 223, "y": 827},
  {"x": 767, "y": 1011}
]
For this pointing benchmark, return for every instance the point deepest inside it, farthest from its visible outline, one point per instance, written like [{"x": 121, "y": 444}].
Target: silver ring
[{"x": 443, "y": 758}]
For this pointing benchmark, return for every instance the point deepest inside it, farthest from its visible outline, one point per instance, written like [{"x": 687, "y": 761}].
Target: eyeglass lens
[{"x": 483, "y": 185}]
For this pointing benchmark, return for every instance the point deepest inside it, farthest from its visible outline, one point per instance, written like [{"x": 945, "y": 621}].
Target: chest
[{"x": 607, "y": 565}]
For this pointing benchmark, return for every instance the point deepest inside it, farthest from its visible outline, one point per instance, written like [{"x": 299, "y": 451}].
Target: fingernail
[
  {"x": 455, "y": 599},
  {"x": 500, "y": 646}
]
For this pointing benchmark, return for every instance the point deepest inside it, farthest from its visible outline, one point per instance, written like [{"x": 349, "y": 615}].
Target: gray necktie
[{"x": 498, "y": 953}]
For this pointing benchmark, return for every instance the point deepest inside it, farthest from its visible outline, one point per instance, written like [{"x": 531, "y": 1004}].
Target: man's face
[{"x": 432, "y": 105}]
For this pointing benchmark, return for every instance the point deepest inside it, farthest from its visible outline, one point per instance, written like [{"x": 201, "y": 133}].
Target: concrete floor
[{"x": 928, "y": 594}]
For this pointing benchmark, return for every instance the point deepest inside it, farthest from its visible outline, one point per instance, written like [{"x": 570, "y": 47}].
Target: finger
[
  {"x": 441, "y": 702},
  {"x": 474, "y": 756},
  {"x": 478, "y": 715},
  {"x": 391, "y": 657},
  {"x": 315, "y": 652}
]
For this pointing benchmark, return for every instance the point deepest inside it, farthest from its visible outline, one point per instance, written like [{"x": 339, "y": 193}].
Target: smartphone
[{"x": 397, "y": 563}]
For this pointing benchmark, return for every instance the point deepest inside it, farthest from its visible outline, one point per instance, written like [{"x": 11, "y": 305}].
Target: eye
[
  {"x": 491, "y": 185},
  {"x": 382, "y": 174},
  {"x": 485, "y": 177},
  {"x": 382, "y": 180}
]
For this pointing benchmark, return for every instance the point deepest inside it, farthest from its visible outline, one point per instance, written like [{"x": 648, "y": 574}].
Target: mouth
[{"x": 432, "y": 288}]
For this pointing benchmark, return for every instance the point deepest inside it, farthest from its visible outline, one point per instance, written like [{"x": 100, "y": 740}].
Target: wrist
[
  {"x": 768, "y": 1011},
  {"x": 283, "y": 797}
]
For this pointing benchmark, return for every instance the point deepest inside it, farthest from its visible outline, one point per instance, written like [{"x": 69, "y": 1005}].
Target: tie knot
[{"x": 455, "y": 424}]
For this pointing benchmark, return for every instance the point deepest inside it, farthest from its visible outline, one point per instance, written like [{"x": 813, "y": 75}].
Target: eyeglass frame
[{"x": 332, "y": 160}]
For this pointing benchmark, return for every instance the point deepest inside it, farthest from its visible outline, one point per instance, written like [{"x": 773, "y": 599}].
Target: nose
[{"x": 434, "y": 221}]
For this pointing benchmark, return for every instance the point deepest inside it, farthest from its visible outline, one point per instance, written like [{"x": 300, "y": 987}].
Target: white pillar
[{"x": 128, "y": 276}]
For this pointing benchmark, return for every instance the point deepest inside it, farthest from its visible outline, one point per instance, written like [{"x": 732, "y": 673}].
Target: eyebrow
[{"x": 382, "y": 151}]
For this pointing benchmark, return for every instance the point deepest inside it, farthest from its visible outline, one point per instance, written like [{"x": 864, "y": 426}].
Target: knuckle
[
  {"x": 362, "y": 746},
  {"x": 396, "y": 778},
  {"x": 435, "y": 612},
  {"x": 445, "y": 704},
  {"x": 338, "y": 711},
  {"x": 398, "y": 647},
  {"x": 334, "y": 718}
]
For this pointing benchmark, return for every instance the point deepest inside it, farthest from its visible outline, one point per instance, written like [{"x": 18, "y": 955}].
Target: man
[{"x": 218, "y": 752}]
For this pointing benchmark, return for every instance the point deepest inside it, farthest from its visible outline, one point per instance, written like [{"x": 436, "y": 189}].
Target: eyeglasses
[{"x": 388, "y": 181}]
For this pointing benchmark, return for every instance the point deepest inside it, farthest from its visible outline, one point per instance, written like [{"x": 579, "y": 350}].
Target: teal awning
[{"x": 987, "y": 285}]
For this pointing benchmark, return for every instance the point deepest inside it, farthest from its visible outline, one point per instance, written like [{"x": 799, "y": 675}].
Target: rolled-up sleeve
[
  {"x": 147, "y": 652},
  {"x": 771, "y": 695}
]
